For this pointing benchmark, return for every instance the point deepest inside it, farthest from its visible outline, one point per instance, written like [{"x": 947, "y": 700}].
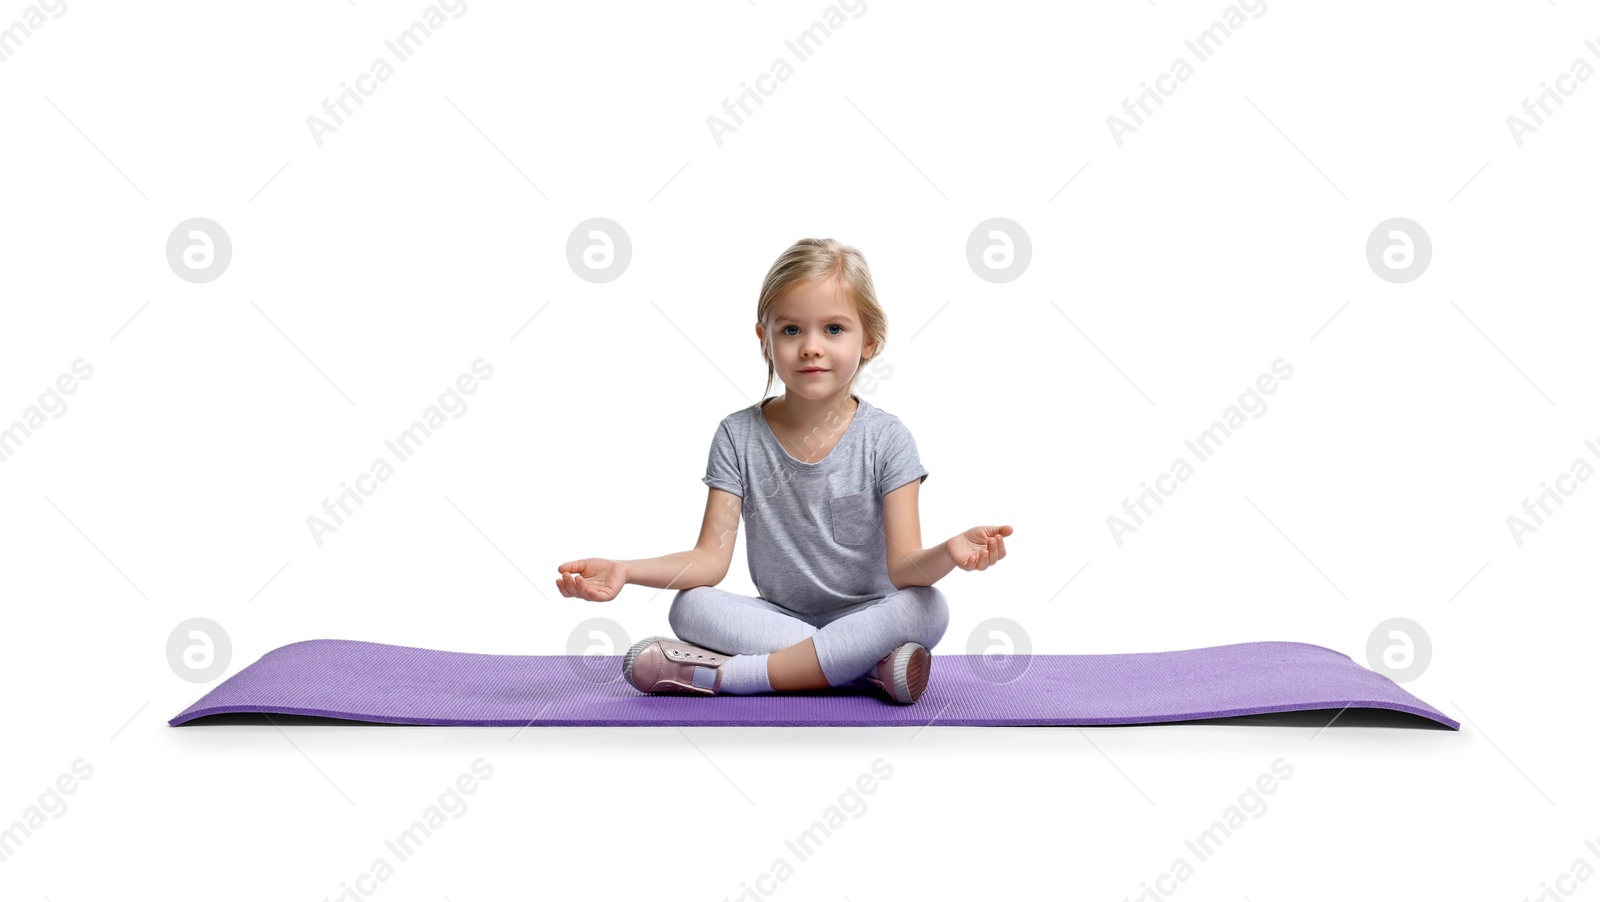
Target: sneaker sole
[
  {"x": 911, "y": 674},
  {"x": 627, "y": 660}
]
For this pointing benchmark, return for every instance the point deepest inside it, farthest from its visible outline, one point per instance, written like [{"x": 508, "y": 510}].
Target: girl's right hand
[{"x": 593, "y": 579}]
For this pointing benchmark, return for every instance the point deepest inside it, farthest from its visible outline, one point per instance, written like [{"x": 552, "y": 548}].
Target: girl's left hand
[{"x": 978, "y": 547}]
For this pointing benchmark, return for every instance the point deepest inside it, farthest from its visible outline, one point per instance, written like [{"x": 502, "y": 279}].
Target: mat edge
[{"x": 1438, "y": 717}]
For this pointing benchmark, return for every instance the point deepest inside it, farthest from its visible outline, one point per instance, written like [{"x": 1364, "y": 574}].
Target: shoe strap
[{"x": 691, "y": 655}]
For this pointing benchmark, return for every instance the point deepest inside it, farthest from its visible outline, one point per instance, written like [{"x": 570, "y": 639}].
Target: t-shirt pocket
[{"x": 853, "y": 517}]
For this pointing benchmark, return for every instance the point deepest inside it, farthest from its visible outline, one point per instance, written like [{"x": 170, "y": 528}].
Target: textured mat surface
[{"x": 369, "y": 681}]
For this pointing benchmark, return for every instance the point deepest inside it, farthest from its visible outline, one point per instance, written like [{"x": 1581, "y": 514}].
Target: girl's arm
[
  {"x": 925, "y": 567},
  {"x": 912, "y": 565},
  {"x": 909, "y": 563},
  {"x": 707, "y": 563}
]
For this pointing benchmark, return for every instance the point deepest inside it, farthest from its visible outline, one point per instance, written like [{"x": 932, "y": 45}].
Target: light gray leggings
[{"x": 849, "y": 641}]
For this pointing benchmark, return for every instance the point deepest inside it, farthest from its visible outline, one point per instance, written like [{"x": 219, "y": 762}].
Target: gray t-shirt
[{"x": 814, "y": 531}]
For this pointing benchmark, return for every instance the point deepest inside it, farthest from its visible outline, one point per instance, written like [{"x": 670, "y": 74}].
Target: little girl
[{"x": 827, "y": 485}]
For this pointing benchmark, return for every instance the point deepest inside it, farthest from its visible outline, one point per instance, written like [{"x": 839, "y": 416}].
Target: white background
[{"x": 1167, "y": 273}]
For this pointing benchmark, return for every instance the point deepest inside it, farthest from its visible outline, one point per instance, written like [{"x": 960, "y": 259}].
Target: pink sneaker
[
  {"x": 663, "y": 665},
  {"x": 903, "y": 673}
]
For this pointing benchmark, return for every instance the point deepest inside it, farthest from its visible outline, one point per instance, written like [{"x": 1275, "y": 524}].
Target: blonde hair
[{"x": 823, "y": 260}]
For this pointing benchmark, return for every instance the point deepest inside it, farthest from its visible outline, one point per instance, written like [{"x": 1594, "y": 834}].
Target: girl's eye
[{"x": 830, "y": 326}]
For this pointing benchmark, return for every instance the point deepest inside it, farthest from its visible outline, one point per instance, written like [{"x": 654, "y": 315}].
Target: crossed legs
[{"x": 830, "y": 650}]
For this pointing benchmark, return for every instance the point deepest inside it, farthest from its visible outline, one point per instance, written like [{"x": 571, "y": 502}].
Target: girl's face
[{"x": 817, "y": 340}]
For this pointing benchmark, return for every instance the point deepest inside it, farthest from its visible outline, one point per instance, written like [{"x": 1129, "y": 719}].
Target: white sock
[{"x": 745, "y": 675}]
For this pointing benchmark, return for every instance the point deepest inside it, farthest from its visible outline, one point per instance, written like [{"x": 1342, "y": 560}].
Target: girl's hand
[
  {"x": 593, "y": 578},
  {"x": 978, "y": 547}
]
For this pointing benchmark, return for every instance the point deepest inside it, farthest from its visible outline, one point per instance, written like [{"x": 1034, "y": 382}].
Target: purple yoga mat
[{"x": 398, "y": 684}]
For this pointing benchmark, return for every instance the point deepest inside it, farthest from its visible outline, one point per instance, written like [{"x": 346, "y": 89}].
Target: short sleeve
[
  {"x": 898, "y": 462},
  {"x": 722, "y": 465}
]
